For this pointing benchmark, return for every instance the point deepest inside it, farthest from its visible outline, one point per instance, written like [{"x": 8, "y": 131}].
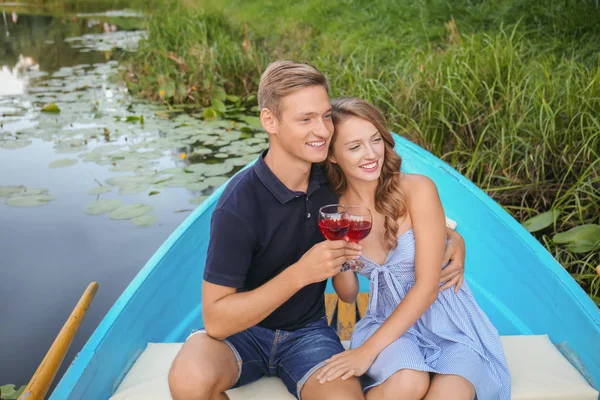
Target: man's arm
[{"x": 227, "y": 312}]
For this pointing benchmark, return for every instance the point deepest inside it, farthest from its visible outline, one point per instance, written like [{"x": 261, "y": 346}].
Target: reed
[{"x": 508, "y": 93}]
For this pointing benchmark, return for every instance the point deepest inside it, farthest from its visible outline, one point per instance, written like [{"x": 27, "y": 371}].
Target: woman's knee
[
  {"x": 450, "y": 387},
  {"x": 403, "y": 385}
]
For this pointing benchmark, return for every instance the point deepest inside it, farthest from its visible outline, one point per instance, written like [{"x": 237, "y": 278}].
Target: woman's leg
[
  {"x": 450, "y": 387},
  {"x": 406, "y": 384}
]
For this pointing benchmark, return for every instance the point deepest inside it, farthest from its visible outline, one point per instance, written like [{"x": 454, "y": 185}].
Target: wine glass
[
  {"x": 333, "y": 221},
  {"x": 361, "y": 222}
]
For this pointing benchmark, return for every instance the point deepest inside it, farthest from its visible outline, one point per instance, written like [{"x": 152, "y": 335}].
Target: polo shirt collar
[{"x": 281, "y": 192}]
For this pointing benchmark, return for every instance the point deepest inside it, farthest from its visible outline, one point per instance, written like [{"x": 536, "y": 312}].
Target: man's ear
[
  {"x": 269, "y": 121},
  {"x": 332, "y": 159}
]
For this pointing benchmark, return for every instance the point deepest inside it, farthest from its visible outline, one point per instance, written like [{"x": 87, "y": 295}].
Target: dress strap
[
  {"x": 395, "y": 287},
  {"x": 374, "y": 278}
]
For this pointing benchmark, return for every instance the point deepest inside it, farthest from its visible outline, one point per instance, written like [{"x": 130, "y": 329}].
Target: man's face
[{"x": 304, "y": 128}]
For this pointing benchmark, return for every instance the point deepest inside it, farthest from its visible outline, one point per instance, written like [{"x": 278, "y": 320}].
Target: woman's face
[{"x": 358, "y": 149}]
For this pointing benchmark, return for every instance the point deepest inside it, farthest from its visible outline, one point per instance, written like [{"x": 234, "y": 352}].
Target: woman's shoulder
[
  {"x": 415, "y": 183},
  {"x": 418, "y": 189}
]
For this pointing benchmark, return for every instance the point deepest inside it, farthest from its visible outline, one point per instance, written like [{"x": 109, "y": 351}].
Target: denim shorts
[{"x": 293, "y": 356}]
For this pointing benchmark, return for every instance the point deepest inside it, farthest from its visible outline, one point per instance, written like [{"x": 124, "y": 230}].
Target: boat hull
[{"x": 515, "y": 280}]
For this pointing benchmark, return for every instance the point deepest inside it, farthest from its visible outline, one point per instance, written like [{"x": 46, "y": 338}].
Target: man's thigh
[
  {"x": 305, "y": 352},
  {"x": 251, "y": 348}
]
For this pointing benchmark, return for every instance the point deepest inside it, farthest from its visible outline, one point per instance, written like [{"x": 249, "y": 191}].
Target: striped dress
[{"x": 453, "y": 336}]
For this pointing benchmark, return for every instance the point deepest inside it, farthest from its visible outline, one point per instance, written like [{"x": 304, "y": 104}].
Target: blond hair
[
  {"x": 282, "y": 78},
  {"x": 390, "y": 201}
]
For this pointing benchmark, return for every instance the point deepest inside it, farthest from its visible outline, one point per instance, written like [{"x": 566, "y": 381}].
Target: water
[{"x": 170, "y": 161}]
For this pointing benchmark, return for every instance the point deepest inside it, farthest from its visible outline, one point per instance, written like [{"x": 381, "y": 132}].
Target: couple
[{"x": 267, "y": 267}]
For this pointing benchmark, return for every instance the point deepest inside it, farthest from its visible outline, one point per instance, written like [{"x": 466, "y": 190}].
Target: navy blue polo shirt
[{"x": 258, "y": 229}]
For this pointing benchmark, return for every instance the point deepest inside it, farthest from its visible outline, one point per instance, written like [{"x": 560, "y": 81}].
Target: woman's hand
[
  {"x": 454, "y": 273},
  {"x": 353, "y": 362}
]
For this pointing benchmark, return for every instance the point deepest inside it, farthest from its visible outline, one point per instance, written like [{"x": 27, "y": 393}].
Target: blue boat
[{"x": 519, "y": 285}]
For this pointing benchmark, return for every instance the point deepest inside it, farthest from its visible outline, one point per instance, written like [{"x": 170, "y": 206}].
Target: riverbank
[
  {"x": 508, "y": 94},
  {"x": 66, "y": 176},
  {"x": 57, "y": 7}
]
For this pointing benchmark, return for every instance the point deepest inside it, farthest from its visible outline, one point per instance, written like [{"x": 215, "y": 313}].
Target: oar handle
[{"x": 42, "y": 379}]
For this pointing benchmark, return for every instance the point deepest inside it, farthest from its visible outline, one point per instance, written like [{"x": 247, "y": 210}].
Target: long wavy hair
[{"x": 390, "y": 201}]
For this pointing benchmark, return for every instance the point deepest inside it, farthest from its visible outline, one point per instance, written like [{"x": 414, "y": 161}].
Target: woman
[{"x": 415, "y": 342}]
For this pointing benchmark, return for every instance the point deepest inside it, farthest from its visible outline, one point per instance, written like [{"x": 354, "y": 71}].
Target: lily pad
[
  {"x": 196, "y": 168},
  {"x": 218, "y": 169},
  {"x": 202, "y": 151},
  {"x": 144, "y": 220},
  {"x": 197, "y": 186},
  {"x": 15, "y": 144},
  {"x": 7, "y": 191},
  {"x": 9, "y": 392},
  {"x": 221, "y": 142},
  {"x": 65, "y": 162},
  {"x": 240, "y": 161},
  {"x": 127, "y": 167},
  {"x": 134, "y": 189},
  {"x": 34, "y": 191},
  {"x": 102, "y": 206},
  {"x": 100, "y": 189},
  {"x": 91, "y": 157},
  {"x": 541, "y": 221},
  {"x": 216, "y": 181},
  {"x": 51, "y": 108},
  {"x": 125, "y": 181},
  {"x": 173, "y": 171},
  {"x": 29, "y": 200},
  {"x": 181, "y": 181},
  {"x": 161, "y": 179},
  {"x": 129, "y": 211}
]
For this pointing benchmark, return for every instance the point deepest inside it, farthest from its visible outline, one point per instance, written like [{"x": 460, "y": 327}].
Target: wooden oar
[{"x": 42, "y": 379}]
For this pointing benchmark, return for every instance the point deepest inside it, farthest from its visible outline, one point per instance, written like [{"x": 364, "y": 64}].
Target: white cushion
[{"x": 538, "y": 372}]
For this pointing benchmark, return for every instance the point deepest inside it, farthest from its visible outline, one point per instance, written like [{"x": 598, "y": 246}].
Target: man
[{"x": 267, "y": 263}]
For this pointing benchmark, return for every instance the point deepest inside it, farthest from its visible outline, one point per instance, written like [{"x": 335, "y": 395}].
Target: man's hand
[
  {"x": 325, "y": 259},
  {"x": 454, "y": 273}
]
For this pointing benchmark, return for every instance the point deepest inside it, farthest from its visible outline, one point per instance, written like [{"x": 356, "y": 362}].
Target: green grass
[
  {"x": 191, "y": 54},
  {"x": 84, "y": 6},
  {"x": 506, "y": 92}
]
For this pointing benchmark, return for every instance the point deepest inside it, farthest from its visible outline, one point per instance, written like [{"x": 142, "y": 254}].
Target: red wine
[
  {"x": 334, "y": 229},
  {"x": 358, "y": 230}
]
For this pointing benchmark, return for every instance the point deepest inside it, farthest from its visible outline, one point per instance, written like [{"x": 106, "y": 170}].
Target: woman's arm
[
  {"x": 429, "y": 227},
  {"x": 346, "y": 286}
]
